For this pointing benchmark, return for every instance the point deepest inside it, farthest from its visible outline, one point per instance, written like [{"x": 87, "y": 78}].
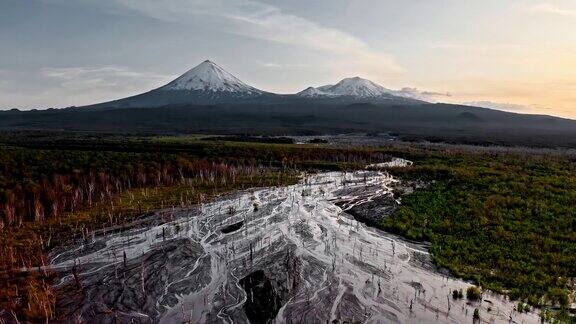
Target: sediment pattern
[{"x": 287, "y": 255}]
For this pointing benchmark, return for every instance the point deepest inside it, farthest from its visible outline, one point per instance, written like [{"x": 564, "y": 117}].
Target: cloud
[
  {"x": 436, "y": 94},
  {"x": 549, "y": 8},
  {"x": 60, "y": 87},
  {"x": 106, "y": 78},
  {"x": 266, "y": 22},
  {"x": 415, "y": 93},
  {"x": 499, "y": 106},
  {"x": 281, "y": 66},
  {"x": 75, "y": 72},
  {"x": 271, "y": 65}
]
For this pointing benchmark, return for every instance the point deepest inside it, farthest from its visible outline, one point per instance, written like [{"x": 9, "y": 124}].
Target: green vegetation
[
  {"x": 473, "y": 293},
  {"x": 522, "y": 307},
  {"x": 506, "y": 220}
]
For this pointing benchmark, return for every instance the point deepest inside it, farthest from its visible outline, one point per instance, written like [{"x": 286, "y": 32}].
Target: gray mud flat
[{"x": 283, "y": 255}]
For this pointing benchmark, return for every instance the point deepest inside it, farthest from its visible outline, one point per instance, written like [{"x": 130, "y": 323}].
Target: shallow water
[
  {"x": 318, "y": 264},
  {"x": 395, "y": 162}
]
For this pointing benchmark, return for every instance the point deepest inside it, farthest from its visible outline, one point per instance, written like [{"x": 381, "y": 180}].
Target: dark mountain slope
[
  {"x": 208, "y": 83},
  {"x": 438, "y": 122},
  {"x": 207, "y": 99}
]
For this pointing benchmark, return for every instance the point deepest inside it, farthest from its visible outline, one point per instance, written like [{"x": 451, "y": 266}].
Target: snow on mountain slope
[
  {"x": 210, "y": 77},
  {"x": 358, "y": 87},
  {"x": 311, "y": 92},
  {"x": 325, "y": 88},
  {"x": 208, "y": 83},
  {"x": 350, "y": 87}
]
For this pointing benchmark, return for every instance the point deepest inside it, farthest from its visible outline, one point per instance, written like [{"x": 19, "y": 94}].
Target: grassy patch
[{"x": 505, "y": 221}]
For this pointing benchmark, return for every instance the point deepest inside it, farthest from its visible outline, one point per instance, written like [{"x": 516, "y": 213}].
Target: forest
[
  {"x": 431, "y": 122},
  {"x": 503, "y": 218}
]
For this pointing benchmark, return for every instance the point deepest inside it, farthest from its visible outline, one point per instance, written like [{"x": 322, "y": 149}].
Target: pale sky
[{"x": 517, "y": 55}]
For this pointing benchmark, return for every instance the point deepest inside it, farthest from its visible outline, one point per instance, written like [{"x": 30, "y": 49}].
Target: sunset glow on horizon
[{"x": 517, "y": 55}]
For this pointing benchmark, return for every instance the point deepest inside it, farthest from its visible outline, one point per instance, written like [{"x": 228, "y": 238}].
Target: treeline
[
  {"x": 252, "y": 139},
  {"x": 55, "y": 195},
  {"x": 280, "y": 155},
  {"x": 40, "y": 184}
]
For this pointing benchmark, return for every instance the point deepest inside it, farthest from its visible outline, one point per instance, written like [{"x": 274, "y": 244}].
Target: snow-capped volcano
[
  {"x": 351, "y": 87},
  {"x": 312, "y": 92},
  {"x": 210, "y": 77},
  {"x": 208, "y": 84},
  {"x": 357, "y": 87}
]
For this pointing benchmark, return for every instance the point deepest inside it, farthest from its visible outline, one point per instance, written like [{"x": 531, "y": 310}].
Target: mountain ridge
[
  {"x": 357, "y": 87},
  {"x": 208, "y": 83},
  {"x": 208, "y": 100}
]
